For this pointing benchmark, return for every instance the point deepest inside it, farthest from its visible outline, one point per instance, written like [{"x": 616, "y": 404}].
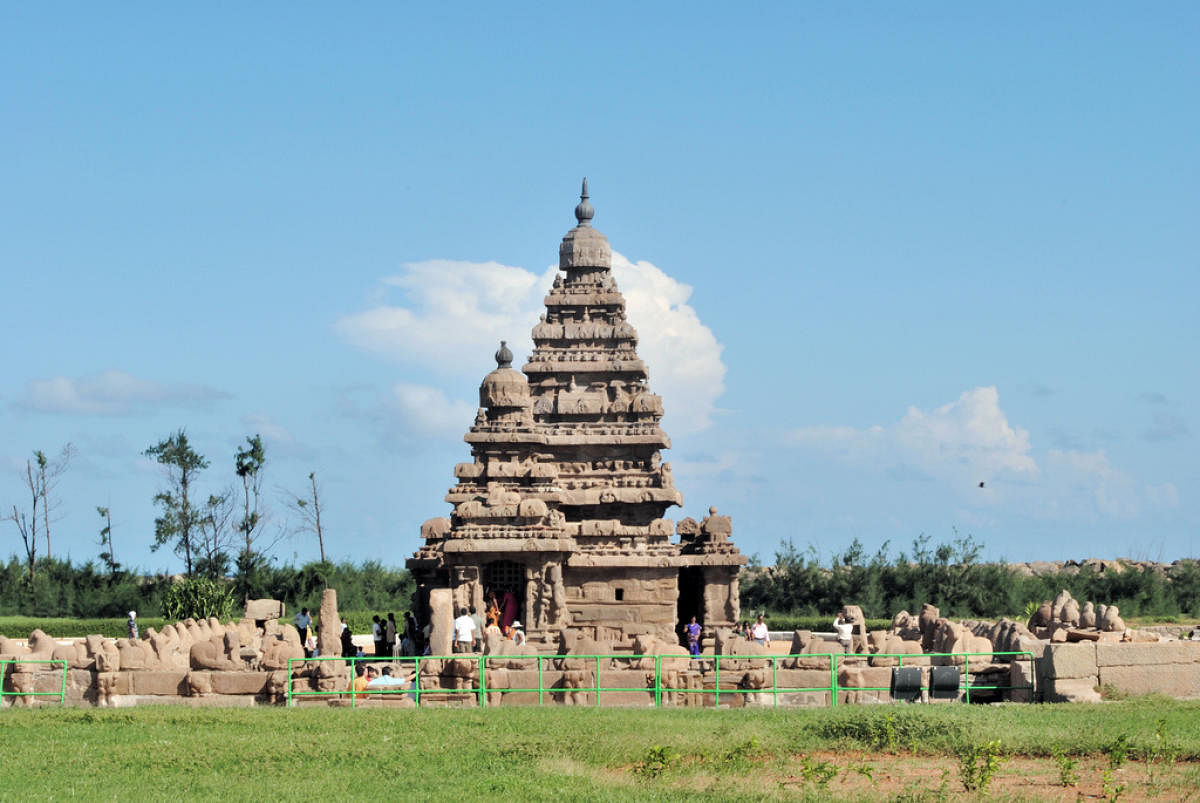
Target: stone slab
[
  {"x": 1071, "y": 690},
  {"x": 1147, "y": 654},
  {"x": 1071, "y": 661},
  {"x": 1173, "y": 680},
  {"x": 239, "y": 682},
  {"x": 165, "y": 683}
]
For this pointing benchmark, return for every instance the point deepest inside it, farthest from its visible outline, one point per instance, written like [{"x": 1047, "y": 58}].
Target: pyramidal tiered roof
[{"x": 566, "y": 454}]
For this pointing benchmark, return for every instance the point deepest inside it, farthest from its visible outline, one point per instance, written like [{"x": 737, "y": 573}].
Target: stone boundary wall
[{"x": 1076, "y": 672}]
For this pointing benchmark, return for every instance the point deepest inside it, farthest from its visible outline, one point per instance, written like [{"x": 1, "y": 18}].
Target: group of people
[
  {"x": 389, "y": 640},
  {"x": 470, "y": 631},
  {"x": 756, "y": 632},
  {"x": 372, "y": 678}
]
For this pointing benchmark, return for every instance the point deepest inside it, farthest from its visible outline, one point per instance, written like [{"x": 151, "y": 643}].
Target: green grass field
[{"x": 1149, "y": 746}]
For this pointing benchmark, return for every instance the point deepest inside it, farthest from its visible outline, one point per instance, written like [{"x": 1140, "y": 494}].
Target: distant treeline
[
  {"x": 950, "y": 576},
  {"x": 62, "y": 589}
]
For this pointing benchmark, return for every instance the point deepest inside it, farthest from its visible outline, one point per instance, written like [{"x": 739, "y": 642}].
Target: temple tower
[{"x": 564, "y": 504}]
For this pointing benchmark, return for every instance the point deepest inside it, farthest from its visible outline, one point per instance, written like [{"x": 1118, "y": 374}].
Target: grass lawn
[{"x": 1146, "y": 747}]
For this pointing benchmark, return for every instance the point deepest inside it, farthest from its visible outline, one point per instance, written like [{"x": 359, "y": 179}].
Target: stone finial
[
  {"x": 584, "y": 212},
  {"x": 504, "y": 357}
]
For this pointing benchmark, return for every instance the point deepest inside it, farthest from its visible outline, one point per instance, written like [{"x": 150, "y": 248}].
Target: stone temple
[{"x": 563, "y": 503}]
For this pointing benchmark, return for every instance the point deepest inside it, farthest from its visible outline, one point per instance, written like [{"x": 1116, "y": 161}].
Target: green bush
[
  {"x": 22, "y": 626},
  {"x": 197, "y": 598}
]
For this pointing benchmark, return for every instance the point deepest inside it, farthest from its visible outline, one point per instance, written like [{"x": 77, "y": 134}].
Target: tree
[
  {"x": 249, "y": 462},
  {"x": 309, "y": 509},
  {"x": 107, "y": 553},
  {"x": 214, "y": 537},
  {"x": 180, "y": 519},
  {"x": 26, "y": 522},
  {"x": 48, "y": 474}
]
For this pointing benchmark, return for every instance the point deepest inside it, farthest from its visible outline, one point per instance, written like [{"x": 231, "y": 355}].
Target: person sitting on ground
[
  {"x": 361, "y": 680},
  {"x": 464, "y": 631},
  {"x": 389, "y": 681},
  {"x": 759, "y": 633}
]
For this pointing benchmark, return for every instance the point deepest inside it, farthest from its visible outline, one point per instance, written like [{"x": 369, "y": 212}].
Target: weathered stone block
[
  {"x": 1071, "y": 690},
  {"x": 259, "y": 609},
  {"x": 1148, "y": 654},
  {"x": 1071, "y": 661},
  {"x": 1173, "y": 680},
  {"x": 239, "y": 682},
  {"x": 157, "y": 683}
]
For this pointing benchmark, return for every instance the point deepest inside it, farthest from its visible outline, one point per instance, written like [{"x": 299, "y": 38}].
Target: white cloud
[
  {"x": 425, "y": 409},
  {"x": 453, "y": 315},
  {"x": 112, "y": 393},
  {"x": 964, "y": 442},
  {"x": 969, "y": 441}
]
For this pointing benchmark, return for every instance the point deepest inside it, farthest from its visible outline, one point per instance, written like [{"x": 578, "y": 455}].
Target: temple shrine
[{"x": 563, "y": 503}]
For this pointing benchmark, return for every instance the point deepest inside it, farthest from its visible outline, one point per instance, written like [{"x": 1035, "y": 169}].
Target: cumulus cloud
[
  {"x": 426, "y": 409},
  {"x": 450, "y": 316},
  {"x": 964, "y": 442},
  {"x": 113, "y": 393},
  {"x": 971, "y": 440}
]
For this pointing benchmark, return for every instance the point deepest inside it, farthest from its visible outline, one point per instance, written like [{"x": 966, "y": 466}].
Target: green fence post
[
  {"x": 967, "y": 675},
  {"x": 775, "y": 678},
  {"x": 417, "y": 679},
  {"x": 597, "y": 681},
  {"x": 62, "y": 695},
  {"x": 482, "y": 682},
  {"x": 717, "y": 681},
  {"x": 658, "y": 681},
  {"x": 541, "y": 684},
  {"x": 833, "y": 684}
]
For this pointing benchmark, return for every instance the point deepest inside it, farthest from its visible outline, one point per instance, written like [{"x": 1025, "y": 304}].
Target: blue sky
[{"x": 880, "y": 255}]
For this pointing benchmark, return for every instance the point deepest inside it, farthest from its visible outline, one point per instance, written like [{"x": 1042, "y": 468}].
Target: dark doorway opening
[
  {"x": 505, "y": 579},
  {"x": 691, "y": 600}
]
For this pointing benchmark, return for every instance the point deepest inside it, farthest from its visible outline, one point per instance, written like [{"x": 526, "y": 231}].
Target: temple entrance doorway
[
  {"x": 506, "y": 580},
  {"x": 691, "y": 600}
]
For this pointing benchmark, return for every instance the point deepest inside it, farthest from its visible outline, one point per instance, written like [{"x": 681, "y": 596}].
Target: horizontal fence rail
[
  {"x": 662, "y": 675},
  {"x": 61, "y": 694}
]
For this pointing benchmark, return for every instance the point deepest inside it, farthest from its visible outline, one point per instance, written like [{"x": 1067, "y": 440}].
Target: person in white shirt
[
  {"x": 845, "y": 632},
  {"x": 464, "y": 631},
  {"x": 759, "y": 633},
  {"x": 518, "y": 635}
]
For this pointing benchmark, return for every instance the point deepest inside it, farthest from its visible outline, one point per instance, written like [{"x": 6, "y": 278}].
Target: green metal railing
[
  {"x": 61, "y": 694},
  {"x": 478, "y": 687}
]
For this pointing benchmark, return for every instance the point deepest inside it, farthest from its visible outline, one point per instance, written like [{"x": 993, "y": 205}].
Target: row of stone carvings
[{"x": 617, "y": 329}]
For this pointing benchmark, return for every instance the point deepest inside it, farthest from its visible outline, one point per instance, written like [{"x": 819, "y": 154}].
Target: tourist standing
[
  {"x": 518, "y": 635},
  {"x": 464, "y": 631},
  {"x": 692, "y": 630},
  {"x": 377, "y": 633},
  {"x": 477, "y": 618},
  {"x": 390, "y": 634},
  {"x": 845, "y": 632},
  {"x": 131, "y": 625},
  {"x": 759, "y": 633},
  {"x": 303, "y": 621}
]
